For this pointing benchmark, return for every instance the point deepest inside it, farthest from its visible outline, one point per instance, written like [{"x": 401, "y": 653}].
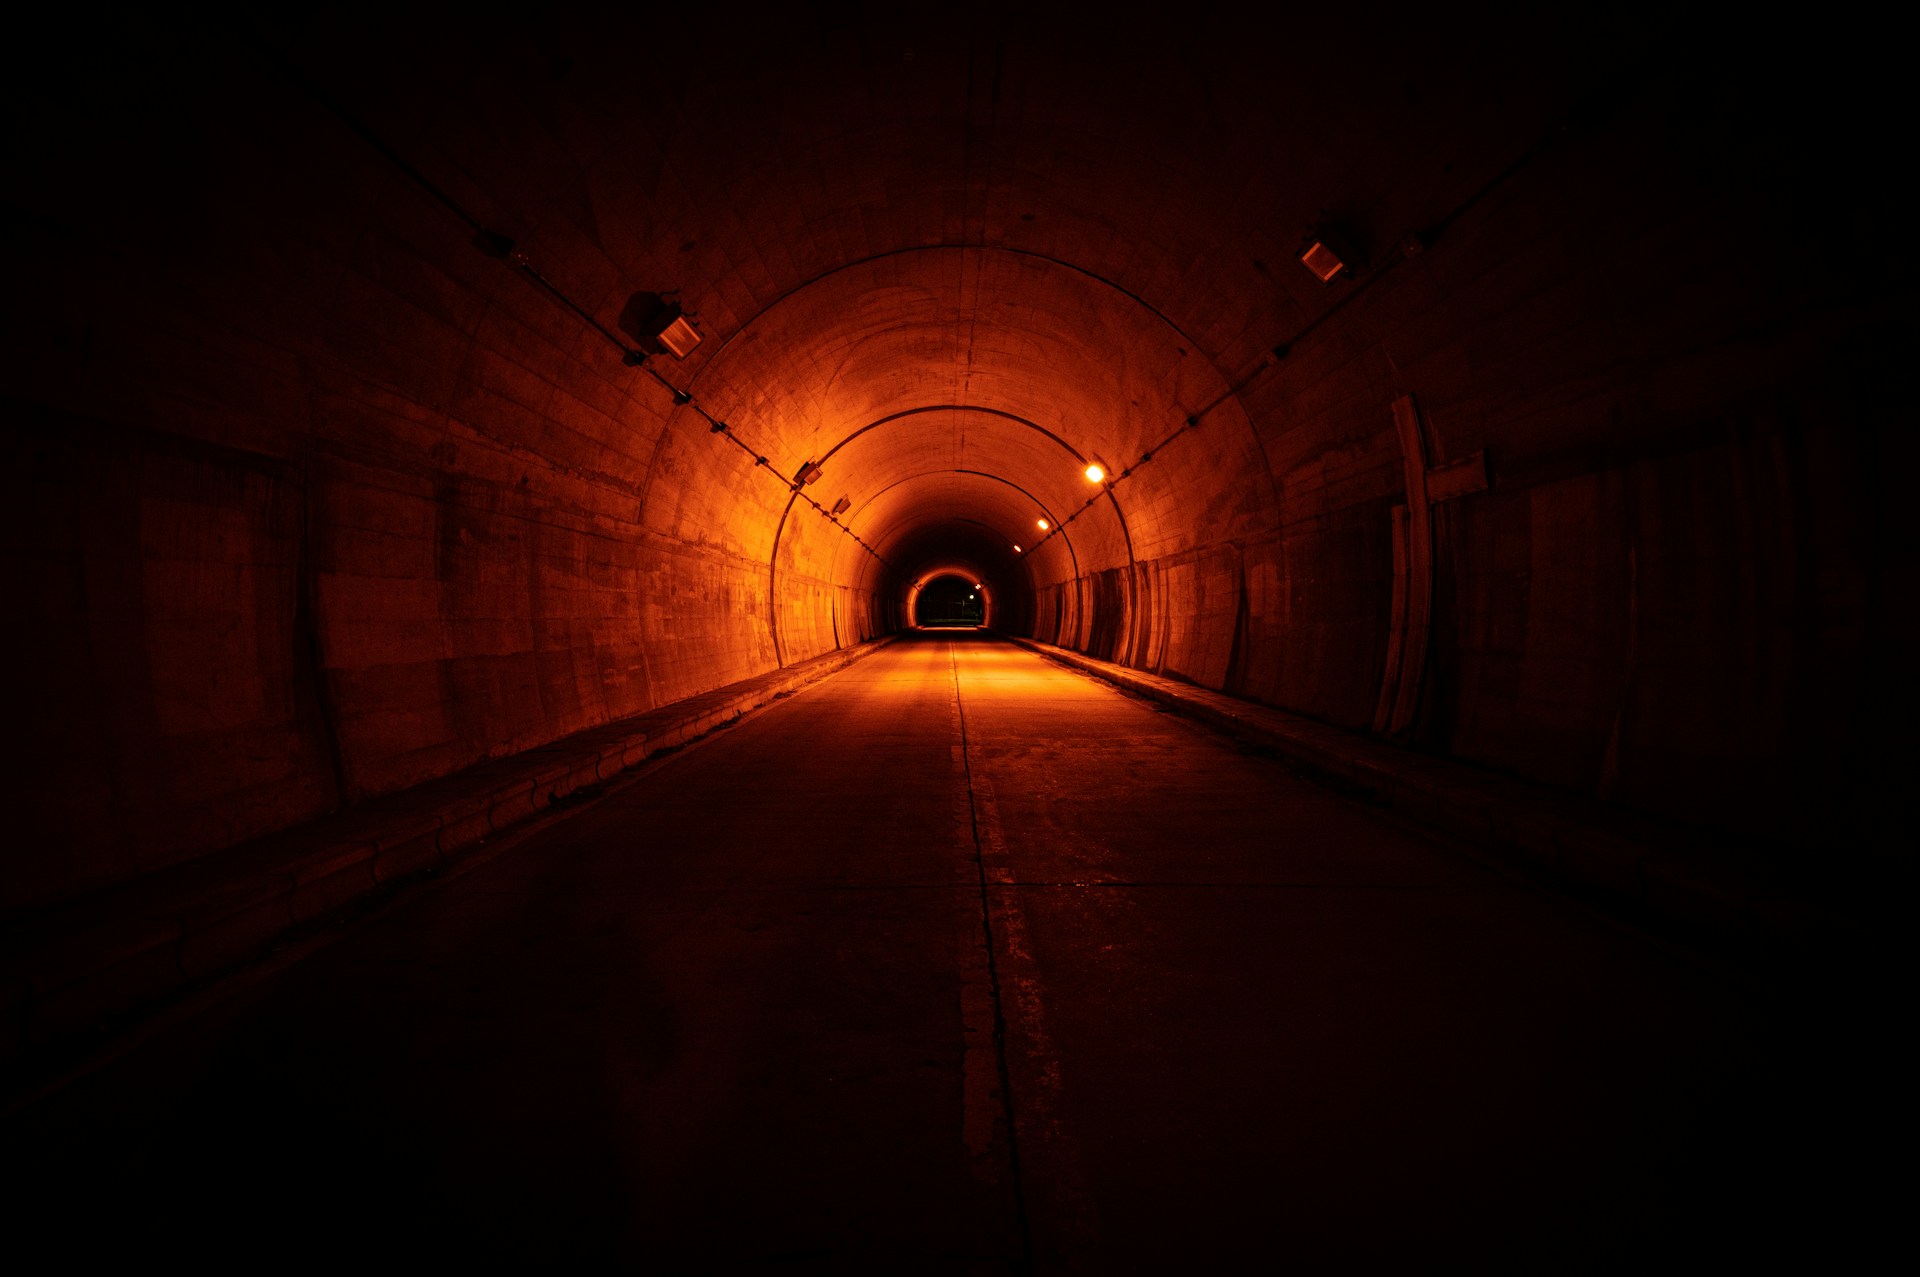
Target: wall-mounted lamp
[
  {"x": 1016, "y": 549},
  {"x": 678, "y": 336},
  {"x": 1322, "y": 261},
  {"x": 1042, "y": 523},
  {"x": 807, "y": 473},
  {"x": 1095, "y": 472},
  {"x": 659, "y": 324},
  {"x": 1327, "y": 253},
  {"x": 840, "y": 506}
]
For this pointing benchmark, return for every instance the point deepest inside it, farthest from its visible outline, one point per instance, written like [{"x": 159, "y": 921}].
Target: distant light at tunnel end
[{"x": 1095, "y": 474}]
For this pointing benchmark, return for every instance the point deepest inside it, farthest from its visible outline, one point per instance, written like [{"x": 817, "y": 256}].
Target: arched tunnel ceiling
[
  {"x": 987, "y": 510},
  {"x": 378, "y": 261},
  {"x": 921, "y": 249},
  {"x": 995, "y": 363},
  {"x": 891, "y": 470}
]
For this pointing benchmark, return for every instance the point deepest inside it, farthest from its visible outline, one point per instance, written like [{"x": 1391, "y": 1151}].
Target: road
[{"x": 957, "y": 961}]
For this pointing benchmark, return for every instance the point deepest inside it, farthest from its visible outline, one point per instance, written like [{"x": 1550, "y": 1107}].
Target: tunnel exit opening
[{"x": 949, "y": 601}]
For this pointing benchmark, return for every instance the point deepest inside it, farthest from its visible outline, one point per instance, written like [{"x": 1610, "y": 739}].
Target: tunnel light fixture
[
  {"x": 1042, "y": 523},
  {"x": 1328, "y": 251},
  {"x": 659, "y": 324},
  {"x": 840, "y": 506},
  {"x": 656, "y": 321},
  {"x": 1322, "y": 261},
  {"x": 678, "y": 336},
  {"x": 1016, "y": 549},
  {"x": 1095, "y": 472},
  {"x": 807, "y": 473}
]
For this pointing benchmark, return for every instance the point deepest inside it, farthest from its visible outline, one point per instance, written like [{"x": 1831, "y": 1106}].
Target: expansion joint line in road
[{"x": 993, "y": 976}]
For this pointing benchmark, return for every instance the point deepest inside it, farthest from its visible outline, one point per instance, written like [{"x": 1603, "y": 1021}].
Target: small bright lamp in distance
[
  {"x": 1043, "y": 525},
  {"x": 1095, "y": 474}
]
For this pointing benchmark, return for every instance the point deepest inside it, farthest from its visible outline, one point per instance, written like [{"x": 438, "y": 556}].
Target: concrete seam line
[{"x": 993, "y": 978}]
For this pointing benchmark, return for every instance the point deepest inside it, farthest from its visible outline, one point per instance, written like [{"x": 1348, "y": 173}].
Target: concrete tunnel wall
[{"x": 308, "y": 499}]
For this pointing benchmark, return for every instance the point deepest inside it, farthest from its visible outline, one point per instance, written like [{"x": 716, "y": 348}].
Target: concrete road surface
[{"x": 963, "y": 962}]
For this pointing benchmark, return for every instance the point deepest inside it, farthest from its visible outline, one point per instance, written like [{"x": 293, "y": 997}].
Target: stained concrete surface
[{"x": 743, "y": 1013}]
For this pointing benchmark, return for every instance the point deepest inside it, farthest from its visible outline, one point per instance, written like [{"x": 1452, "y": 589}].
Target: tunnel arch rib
[
  {"x": 1034, "y": 347},
  {"x": 1054, "y": 517}
]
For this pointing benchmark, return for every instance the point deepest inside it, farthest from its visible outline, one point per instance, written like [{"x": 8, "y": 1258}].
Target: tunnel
[
  {"x": 994, "y": 639},
  {"x": 946, "y": 600}
]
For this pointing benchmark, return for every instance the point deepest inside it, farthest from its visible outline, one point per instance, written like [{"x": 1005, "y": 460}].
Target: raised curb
[
  {"x": 1688, "y": 885},
  {"x": 80, "y": 967}
]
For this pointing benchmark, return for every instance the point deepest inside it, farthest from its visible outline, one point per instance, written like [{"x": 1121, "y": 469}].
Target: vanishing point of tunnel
[{"x": 1002, "y": 639}]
